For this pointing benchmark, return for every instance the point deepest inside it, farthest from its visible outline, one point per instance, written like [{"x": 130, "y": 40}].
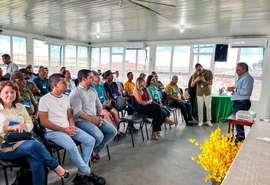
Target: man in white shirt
[
  {"x": 11, "y": 67},
  {"x": 56, "y": 115}
]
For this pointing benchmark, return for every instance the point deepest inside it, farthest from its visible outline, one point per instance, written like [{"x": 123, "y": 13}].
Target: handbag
[{"x": 11, "y": 137}]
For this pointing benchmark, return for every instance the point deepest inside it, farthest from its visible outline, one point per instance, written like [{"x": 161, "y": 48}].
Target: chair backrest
[
  {"x": 120, "y": 103},
  {"x": 39, "y": 130}
]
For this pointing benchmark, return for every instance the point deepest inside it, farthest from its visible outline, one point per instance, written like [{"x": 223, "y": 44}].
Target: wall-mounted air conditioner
[
  {"x": 135, "y": 45},
  {"x": 249, "y": 43}
]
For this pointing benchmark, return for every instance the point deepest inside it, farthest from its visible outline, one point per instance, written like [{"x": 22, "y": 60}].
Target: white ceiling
[{"x": 78, "y": 19}]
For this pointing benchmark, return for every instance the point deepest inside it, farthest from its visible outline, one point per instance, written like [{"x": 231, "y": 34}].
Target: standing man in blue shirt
[{"x": 241, "y": 93}]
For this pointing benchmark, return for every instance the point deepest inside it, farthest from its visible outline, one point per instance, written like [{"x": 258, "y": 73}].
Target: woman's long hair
[
  {"x": 139, "y": 85},
  {"x": 148, "y": 81},
  {"x": 14, "y": 86}
]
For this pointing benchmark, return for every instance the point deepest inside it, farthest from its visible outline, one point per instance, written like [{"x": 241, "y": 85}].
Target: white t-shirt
[{"x": 57, "y": 109}]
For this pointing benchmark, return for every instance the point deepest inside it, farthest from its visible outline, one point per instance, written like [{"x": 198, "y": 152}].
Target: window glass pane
[
  {"x": 95, "y": 58},
  {"x": 204, "y": 60},
  {"x": 117, "y": 63},
  {"x": 82, "y": 57},
  {"x": 19, "y": 50},
  {"x": 164, "y": 78},
  {"x": 254, "y": 58},
  {"x": 130, "y": 61},
  {"x": 55, "y": 55},
  {"x": 203, "y": 48},
  {"x": 117, "y": 50},
  {"x": 227, "y": 68},
  {"x": 5, "y": 45},
  {"x": 70, "y": 56},
  {"x": 105, "y": 59},
  {"x": 220, "y": 82},
  {"x": 181, "y": 57},
  {"x": 41, "y": 57},
  {"x": 143, "y": 60},
  {"x": 163, "y": 59},
  {"x": 183, "y": 81},
  {"x": 257, "y": 89}
]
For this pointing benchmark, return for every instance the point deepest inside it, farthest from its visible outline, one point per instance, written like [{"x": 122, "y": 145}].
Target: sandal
[{"x": 154, "y": 136}]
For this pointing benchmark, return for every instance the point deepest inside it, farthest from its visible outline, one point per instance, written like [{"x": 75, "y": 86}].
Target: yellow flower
[{"x": 217, "y": 154}]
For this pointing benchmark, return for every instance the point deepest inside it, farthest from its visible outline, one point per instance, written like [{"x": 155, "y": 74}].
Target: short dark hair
[
  {"x": 129, "y": 73},
  {"x": 243, "y": 65},
  {"x": 83, "y": 73},
  {"x": 6, "y": 55},
  {"x": 54, "y": 79},
  {"x": 153, "y": 73},
  {"x": 198, "y": 65}
]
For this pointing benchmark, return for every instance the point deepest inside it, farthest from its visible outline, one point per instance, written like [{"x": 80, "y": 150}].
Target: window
[
  {"x": 202, "y": 54},
  {"x": 254, "y": 58},
  {"x": 143, "y": 60},
  {"x": 19, "y": 50},
  {"x": 70, "y": 56},
  {"x": 130, "y": 61},
  {"x": 117, "y": 61},
  {"x": 55, "y": 55},
  {"x": 5, "y": 45},
  {"x": 82, "y": 57},
  {"x": 95, "y": 58},
  {"x": 105, "y": 59},
  {"x": 163, "y": 58},
  {"x": 116, "y": 50},
  {"x": 181, "y": 58},
  {"x": 40, "y": 50}
]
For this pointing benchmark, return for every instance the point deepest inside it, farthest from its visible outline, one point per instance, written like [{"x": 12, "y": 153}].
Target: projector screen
[{"x": 221, "y": 52}]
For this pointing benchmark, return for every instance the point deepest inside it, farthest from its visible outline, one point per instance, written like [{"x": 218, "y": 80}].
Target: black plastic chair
[
  {"x": 120, "y": 105},
  {"x": 5, "y": 164}
]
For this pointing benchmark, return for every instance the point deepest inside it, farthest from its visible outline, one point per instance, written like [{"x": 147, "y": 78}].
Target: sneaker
[
  {"x": 209, "y": 123},
  {"x": 96, "y": 180},
  {"x": 200, "y": 124},
  {"x": 81, "y": 180}
]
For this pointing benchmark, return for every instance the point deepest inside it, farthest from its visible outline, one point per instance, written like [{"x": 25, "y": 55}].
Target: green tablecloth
[{"x": 221, "y": 108}]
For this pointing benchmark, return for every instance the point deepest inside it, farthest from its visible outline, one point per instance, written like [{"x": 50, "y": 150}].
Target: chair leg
[
  {"x": 108, "y": 151},
  {"x": 58, "y": 157},
  {"x": 141, "y": 128},
  {"x": 146, "y": 129},
  {"x": 130, "y": 131},
  {"x": 5, "y": 175},
  {"x": 64, "y": 157}
]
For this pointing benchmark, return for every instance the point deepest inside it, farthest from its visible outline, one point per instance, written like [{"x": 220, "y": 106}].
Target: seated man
[
  {"x": 88, "y": 113},
  {"x": 176, "y": 99},
  {"x": 26, "y": 97},
  {"x": 112, "y": 91},
  {"x": 56, "y": 115},
  {"x": 41, "y": 81}
]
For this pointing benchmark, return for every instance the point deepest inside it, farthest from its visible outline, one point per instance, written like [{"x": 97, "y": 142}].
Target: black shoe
[
  {"x": 81, "y": 180},
  {"x": 96, "y": 180},
  {"x": 95, "y": 158}
]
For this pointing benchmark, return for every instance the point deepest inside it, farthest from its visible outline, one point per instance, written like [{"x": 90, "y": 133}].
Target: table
[
  {"x": 221, "y": 108},
  {"x": 252, "y": 165},
  {"x": 232, "y": 121}
]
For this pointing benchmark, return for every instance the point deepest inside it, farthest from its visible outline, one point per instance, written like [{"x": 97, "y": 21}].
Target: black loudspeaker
[{"x": 221, "y": 53}]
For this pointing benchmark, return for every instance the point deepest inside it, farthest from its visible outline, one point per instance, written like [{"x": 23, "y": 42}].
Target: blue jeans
[
  {"x": 166, "y": 112},
  {"x": 186, "y": 109},
  {"x": 103, "y": 134},
  {"x": 36, "y": 155},
  {"x": 67, "y": 142},
  {"x": 240, "y": 105}
]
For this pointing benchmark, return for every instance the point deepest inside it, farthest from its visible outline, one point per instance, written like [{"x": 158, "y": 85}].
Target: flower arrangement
[{"x": 217, "y": 155}]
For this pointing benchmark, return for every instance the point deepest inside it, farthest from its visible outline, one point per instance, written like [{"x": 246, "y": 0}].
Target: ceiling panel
[{"x": 80, "y": 19}]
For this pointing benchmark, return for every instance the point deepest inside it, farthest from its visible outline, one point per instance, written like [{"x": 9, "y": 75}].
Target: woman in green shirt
[{"x": 150, "y": 84}]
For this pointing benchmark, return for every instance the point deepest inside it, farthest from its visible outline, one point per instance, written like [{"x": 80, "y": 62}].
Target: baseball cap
[{"x": 108, "y": 73}]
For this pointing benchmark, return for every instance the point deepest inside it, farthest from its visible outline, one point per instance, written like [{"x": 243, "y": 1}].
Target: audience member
[
  {"x": 56, "y": 115},
  {"x": 62, "y": 70},
  {"x": 32, "y": 75},
  {"x": 26, "y": 97},
  {"x": 11, "y": 67},
  {"x": 192, "y": 93},
  {"x": 16, "y": 119},
  {"x": 99, "y": 72},
  {"x": 176, "y": 99},
  {"x": 241, "y": 93},
  {"x": 145, "y": 105},
  {"x": 110, "y": 113},
  {"x": 70, "y": 83},
  {"x": 150, "y": 84},
  {"x": 129, "y": 87},
  {"x": 88, "y": 113},
  {"x": 203, "y": 79},
  {"x": 42, "y": 82},
  {"x": 142, "y": 75}
]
